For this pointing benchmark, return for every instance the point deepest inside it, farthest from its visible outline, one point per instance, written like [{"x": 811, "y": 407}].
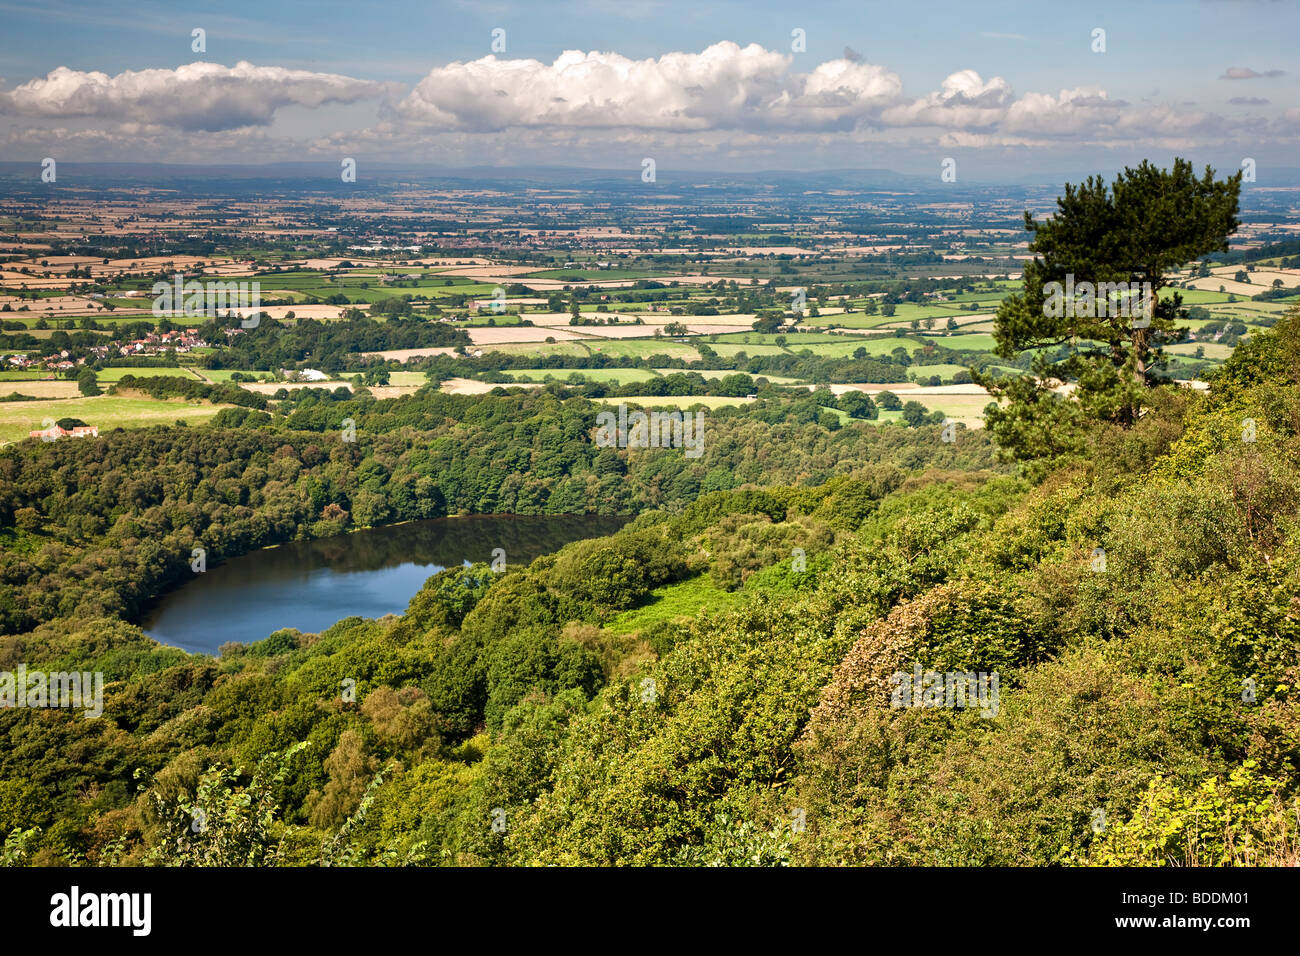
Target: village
[{"x": 153, "y": 344}]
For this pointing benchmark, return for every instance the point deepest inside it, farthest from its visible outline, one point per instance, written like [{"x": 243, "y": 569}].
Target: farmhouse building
[{"x": 77, "y": 431}]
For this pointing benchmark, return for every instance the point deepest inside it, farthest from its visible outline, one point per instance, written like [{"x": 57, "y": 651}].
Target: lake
[{"x": 310, "y": 585}]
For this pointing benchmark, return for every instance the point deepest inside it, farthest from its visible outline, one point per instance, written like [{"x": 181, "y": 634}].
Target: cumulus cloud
[
  {"x": 1070, "y": 113},
  {"x": 1248, "y": 101},
  {"x": 1246, "y": 73},
  {"x": 196, "y": 96},
  {"x": 725, "y": 86},
  {"x": 964, "y": 101}
]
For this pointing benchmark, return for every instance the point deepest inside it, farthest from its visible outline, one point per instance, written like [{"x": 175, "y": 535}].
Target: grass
[
  {"x": 642, "y": 348},
  {"x": 969, "y": 342},
  {"x": 954, "y": 406},
  {"x": 939, "y": 311},
  {"x": 224, "y": 374},
  {"x": 715, "y": 373},
  {"x": 591, "y": 275},
  {"x": 675, "y": 401},
  {"x": 489, "y": 320},
  {"x": 684, "y": 599},
  {"x": 117, "y": 374},
  {"x": 105, "y": 411},
  {"x": 838, "y": 347},
  {"x": 395, "y": 379},
  {"x": 619, "y": 375},
  {"x": 945, "y": 371},
  {"x": 732, "y": 350},
  {"x": 848, "y": 320},
  {"x": 1213, "y": 350},
  {"x": 769, "y": 338},
  {"x": 44, "y": 389},
  {"x": 407, "y": 378},
  {"x": 1195, "y": 296},
  {"x": 886, "y": 417},
  {"x": 540, "y": 348}
]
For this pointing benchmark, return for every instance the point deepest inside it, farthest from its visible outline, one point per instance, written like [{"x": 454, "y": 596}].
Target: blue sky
[{"x": 1160, "y": 85}]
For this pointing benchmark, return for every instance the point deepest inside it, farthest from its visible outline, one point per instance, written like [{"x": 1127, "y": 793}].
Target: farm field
[
  {"x": 967, "y": 409},
  {"x": 731, "y": 350},
  {"x": 845, "y": 347},
  {"x": 539, "y": 348},
  {"x": 224, "y": 374},
  {"x": 270, "y": 388},
  {"x": 676, "y": 401},
  {"x": 1212, "y": 350},
  {"x": 39, "y": 388},
  {"x": 112, "y": 374},
  {"x": 715, "y": 373},
  {"x": 619, "y": 375},
  {"x": 925, "y": 371},
  {"x": 104, "y": 411},
  {"x": 645, "y": 348}
]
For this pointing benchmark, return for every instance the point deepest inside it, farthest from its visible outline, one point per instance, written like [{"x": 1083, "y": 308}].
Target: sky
[{"x": 998, "y": 88}]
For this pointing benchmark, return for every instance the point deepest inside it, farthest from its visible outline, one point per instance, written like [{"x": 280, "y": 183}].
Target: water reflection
[{"x": 312, "y": 584}]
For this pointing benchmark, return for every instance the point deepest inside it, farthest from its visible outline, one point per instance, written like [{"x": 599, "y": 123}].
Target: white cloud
[
  {"x": 1076, "y": 113},
  {"x": 965, "y": 101},
  {"x": 725, "y": 86},
  {"x": 196, "y": 96}
]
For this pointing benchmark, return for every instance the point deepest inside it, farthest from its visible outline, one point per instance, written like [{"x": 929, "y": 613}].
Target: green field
[
  {"x": 1195, "y": 296},
  {"x": 673, "y": 601},
  {"x": 117, "y": 374},
  {"x": 716, "y": 373},
  {"x": 594, "y": 275},
  {"x": 848, "y": 320},
  {"x": 840, "y": 347},
  {"x": 619, "y": 375},
  {"x": 944, "y": 371},
  {"x": 769, "y": 338},
  {"x": 539, "y": 348},
  {"x": 642, "y": 348},
  {"x": 105, "y": 411},
  {"x": 970, "y": 342},
  {"x": 939, "y": 311},
  {"x": 732, "y": 350},
  {"x": 489, "y": 319},
  {"x": 1213, "y": 350},
  {"x": 674, "y": 401},
  {"x": 407, "y": 378},
  {"x": 224, "y": 374},
  {"x": 954, "y": 406},
  {"x": 885, "y": 417}
]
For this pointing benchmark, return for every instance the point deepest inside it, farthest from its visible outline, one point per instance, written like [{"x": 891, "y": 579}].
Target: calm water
[{"x": 312, "y": 584}]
